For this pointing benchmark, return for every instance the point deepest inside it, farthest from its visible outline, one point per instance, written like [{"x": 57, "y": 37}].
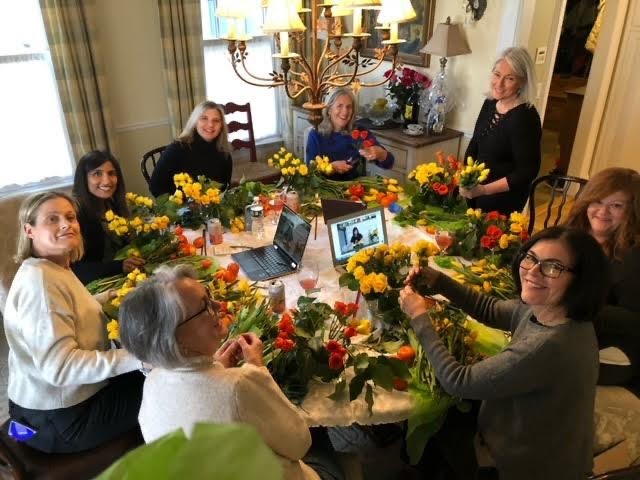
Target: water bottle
[
  {"x": 257, "y": 221},
  {"x": 247, "y": 214}
]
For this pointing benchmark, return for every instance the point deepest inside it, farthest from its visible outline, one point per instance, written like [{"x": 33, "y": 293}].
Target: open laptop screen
[
  {"x": 292, "y": 234},
  {"x": 353, "y": 232}
]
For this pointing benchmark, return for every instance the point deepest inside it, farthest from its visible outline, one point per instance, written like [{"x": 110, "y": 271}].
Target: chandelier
[{"x": 329, "y": 65}]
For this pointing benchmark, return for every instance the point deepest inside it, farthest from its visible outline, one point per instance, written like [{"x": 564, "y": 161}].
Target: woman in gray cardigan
[{"x": 536, "y": 418}]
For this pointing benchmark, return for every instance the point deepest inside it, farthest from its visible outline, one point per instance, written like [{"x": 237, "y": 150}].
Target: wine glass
[
  {"x": 308, "y": 276},
  {"x": 276, "y": 202},
  {"x": 444, "y": 240}
]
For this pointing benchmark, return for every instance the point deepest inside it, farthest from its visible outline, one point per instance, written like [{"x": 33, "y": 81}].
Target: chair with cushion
[
  {"x": 21, "y": 462},
  {"x": 148, "y": 162},
  {"x": 252, "y": 170},
  {"x": 554, "y": 202}
]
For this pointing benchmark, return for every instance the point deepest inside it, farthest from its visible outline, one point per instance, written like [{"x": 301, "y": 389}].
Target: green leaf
[
  {"x": 355, "y": 386},
  {"x": 361, "y": 362},
  {"x": 398, "y": 367},
  {"x": 349, "y": 281},
  {"x": 368, "y": 397},
  {"x": 382, "y": 376},
  {"x": 340, "y": 390}
]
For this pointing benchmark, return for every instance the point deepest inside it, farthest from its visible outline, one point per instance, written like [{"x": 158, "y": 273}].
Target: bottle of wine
[{"x": 412, "y": 109}]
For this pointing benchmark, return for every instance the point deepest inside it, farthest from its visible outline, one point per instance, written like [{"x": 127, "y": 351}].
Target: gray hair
[
  {"x": 187, "y": 134},
  {"x": 28, "y": 215},
  {"x": 326, "y": 127},
  {"x": 150, "y": 315},
  {"x": 520, "y": 61}
]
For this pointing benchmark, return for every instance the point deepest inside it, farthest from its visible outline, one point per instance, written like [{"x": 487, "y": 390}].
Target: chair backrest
[
  {"x": 236, "y": 126},
  {"x": 561, "y": 188},
  {"x": 148, "y": 162}
]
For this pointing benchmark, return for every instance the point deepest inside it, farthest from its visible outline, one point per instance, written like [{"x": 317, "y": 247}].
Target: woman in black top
[
  {"x": 356, "y": 236},
  {"x": 98, "y": 186},
  {"x": 201, "y": 149},
  {"x": 507, "y": 136}
]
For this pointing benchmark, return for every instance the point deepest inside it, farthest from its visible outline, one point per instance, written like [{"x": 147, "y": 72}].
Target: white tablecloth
[{"x": 317, "y": 408}]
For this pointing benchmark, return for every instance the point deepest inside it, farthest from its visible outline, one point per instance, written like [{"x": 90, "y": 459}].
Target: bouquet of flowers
[
  {"x": 294, "y": 171},
  {"x": 473, "y": 174},
  {"x": 382, "y": 193},
  {"x": 486, "y": 277},
  {"x": 436, "y": 182},
  {"x": 407, "y": 83},
  {"x": 194, "y": 202}
]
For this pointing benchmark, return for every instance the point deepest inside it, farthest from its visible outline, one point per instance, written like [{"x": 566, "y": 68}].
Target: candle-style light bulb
[{"x": 284, "y": 43}]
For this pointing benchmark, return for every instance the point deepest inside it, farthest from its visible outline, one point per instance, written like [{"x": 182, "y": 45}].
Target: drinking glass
[
  {"x": 444, "y": 240},
  {"x": 308, "y": 276},
  {"x": 276, "y": 202}
]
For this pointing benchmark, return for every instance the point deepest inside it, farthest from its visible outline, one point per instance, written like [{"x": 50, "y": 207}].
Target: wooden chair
[
  {"x": 561, "y": 190},
  {"x": 21, "y": 462},
  {"x": 148, "y": 162}
]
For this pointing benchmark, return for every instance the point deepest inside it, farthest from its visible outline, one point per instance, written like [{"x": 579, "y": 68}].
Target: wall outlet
[{"x": 541, "y": 55}]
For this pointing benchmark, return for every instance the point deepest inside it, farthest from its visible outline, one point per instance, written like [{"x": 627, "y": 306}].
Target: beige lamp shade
[
  {"x": 234, "y": 8},
  {"x": 447, "y": 41},
  {"x": 365, "y": 4},
  {"x": 396, "y": 11},
  {"x": 282, "y": 16}
]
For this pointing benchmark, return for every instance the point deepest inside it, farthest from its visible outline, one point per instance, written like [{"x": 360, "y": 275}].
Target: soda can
[
  {"x": 292, "y": 200},
  {"x": 214, "y": 227},
  {"x": 277, "y": 296}
]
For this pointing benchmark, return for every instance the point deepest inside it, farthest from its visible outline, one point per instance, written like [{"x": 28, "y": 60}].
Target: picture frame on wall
[{"x": 416, "y": 32}]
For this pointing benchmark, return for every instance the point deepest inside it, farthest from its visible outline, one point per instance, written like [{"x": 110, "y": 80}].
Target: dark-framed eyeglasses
[
  {"x": 210, "y": 305},
  {"x": 548, "y": 268}
]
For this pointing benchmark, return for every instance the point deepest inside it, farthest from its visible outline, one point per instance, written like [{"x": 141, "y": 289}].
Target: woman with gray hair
[
  {"x": 201, "y": 149},
  {"x": 333, "y": 139},
  {"x": 171, "y": 321},
  {"x": 507, "y": 136},
  {"x": 64, "y": 381}
]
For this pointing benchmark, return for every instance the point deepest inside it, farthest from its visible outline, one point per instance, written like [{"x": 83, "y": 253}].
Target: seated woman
[
  {"x": 609, "y": 209},
  {"x": 333, "y": 138},
  {"x": 507, "y": 135},
  {"x": 64, "y": 382},
  {"x": 172, "y": 322},
  {"x": 98, "y": 186},
  {"x": 536, "y": 417},
  {"x": 201, "y": 149},
  {"x": 356, "y": 237}
]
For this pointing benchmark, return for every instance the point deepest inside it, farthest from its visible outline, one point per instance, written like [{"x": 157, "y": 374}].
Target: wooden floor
[{"x": 542, "y": 198}]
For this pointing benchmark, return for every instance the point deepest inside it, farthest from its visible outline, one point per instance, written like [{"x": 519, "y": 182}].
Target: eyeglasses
[
  {"x": 210, "y": 305},
  {"x": 614, "y": 207},
  {"x": 548, "y": 268}
]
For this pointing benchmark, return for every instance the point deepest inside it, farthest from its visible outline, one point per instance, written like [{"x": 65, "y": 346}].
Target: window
[
  {"x": 32, "y": 131},
  {"x": 223, "y": 85}
]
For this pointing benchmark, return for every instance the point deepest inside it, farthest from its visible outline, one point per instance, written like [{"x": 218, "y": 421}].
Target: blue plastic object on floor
[{"x": 20, "y": 432}]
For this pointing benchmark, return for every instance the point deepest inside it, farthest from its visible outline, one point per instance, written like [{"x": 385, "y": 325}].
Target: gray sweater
[{"x": 538, "y": 394}]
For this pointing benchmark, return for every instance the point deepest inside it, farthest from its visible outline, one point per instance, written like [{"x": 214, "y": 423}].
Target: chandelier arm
[
  {"x": 335, "y": 63},
  {"x": 372, "y": 69},
  {"x": 255, "y": 77},
  {"x": 255, "y": 84}
]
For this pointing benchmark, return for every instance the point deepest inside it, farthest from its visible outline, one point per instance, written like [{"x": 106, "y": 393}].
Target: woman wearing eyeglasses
[
  {"x": 609, "y": 209},
  {"x": 536, "y": 416},
  {"x": 171, "y": 321}
]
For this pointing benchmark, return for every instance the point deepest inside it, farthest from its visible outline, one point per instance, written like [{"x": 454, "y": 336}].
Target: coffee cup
[{"x": 415, "y": 128}]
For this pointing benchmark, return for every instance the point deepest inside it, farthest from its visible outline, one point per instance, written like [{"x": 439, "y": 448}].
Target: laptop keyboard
[{"x": 270, "y": 261}]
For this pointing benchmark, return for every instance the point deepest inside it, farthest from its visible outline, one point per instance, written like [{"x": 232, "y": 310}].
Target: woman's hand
[
  {"x": 411, "y": 303},
  {"x": 374, "y": 153},
  {"x": 131, "y": 263},
  {"x": 341, "y": 166},
  {"x": 477, "y": 191},
  {"x": 251, "y": 347},
  {"x": 228, "y": 354}
]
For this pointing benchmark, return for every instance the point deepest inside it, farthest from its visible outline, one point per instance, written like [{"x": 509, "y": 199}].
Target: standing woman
[
  {"x": 98, "y": 186},
  {"x": 64, "y": 382},
  {"x": 536, "y": 417},
  {"x": 201, "y": 149},
  {"x": 609, "y": 209},
  {"x": 507, "y": 136},
  {"x": 333, "y": 138}
]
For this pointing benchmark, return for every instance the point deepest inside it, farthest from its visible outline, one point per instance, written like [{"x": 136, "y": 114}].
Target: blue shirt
[{"x": 339, "y": 146}]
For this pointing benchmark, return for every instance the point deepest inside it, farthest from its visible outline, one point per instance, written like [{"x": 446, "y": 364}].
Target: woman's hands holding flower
[
  {"x": 228, "y": 354},
  {"x": 373, "y": 153},
  {"x": 412, "y": 303},
  {"x": 341, "y": 166},
  {"x": 477, "y": 191},
  {"x": 251, "y": 347}
]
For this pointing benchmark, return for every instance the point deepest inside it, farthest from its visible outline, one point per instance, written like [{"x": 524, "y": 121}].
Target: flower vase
[{"x": 375, "y": 316}]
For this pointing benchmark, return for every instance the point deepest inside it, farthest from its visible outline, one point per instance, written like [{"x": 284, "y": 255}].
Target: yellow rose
[
  {"x": 109, "y": 216},
  {"x": 358, "y": 273},
  {"x": 379, "y": 282},
  {"x": 303, "y": 169}
]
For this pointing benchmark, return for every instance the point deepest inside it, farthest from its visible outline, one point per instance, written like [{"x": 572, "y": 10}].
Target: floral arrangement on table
[
  {"x": 402, "y": 86},
  {"x": 293, "y": 170},
  {"x": 437, "y": 182},
  {"x": 194, "y": 201},
  {"x": 384, "y": 192},
  {"x": 484, "y": 276}
]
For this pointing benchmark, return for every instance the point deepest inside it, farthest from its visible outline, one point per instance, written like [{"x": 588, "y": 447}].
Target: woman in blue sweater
[{"x": 333, "y": 139}]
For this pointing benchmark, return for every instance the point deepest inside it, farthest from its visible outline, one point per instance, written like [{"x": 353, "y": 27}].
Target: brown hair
[
  {"x": 28, "y": 214},
  {"x": 604, "y": 183}
]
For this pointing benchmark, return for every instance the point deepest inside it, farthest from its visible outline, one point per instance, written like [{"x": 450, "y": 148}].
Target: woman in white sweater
[
  {"x": 171, "y": 321},
  {"x": 64, "y": 381}
]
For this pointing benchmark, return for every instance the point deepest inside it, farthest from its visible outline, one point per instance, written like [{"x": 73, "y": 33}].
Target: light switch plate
[{"x": 541, "y": 55}]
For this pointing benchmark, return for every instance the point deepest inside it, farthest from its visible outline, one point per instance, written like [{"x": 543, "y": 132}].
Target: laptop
[
  {"x": 283, "y": 256},
  {"x": 355, "y": 231},
  {"x": 332, "y": 208}
]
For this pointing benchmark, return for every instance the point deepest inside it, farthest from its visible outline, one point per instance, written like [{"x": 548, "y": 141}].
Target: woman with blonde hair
[
  {"x": 202, "y": 148},
  {"x": 64, "y": 381},
  {"x": 609, "y": 209}
]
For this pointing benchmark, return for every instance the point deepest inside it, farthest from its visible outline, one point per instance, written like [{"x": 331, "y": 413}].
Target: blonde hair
[
  {"x": 28, "y": 215},
  {"x": 604, "y": 183},
  {"x": 187, "y": 134}
]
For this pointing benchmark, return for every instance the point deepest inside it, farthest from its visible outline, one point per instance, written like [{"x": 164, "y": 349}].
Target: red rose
[
  {"x": 400, "y": 384},
  {"x": 435, "y": 186},
  {"x": 494, "y": 232},
  {"x": 363, "y": 134},
  {"x": 286, "y": 324},
  {"x": 442, "y": 189},
  {"x": 336, "y": 361},
  {"x": 333, "y": 346},
  {"x": 349, "y": 332},
  {"x": 368, "y": 143},
  {"x": 351, "y": 308},
  {"x": 453, "y": 163},
  {"x": 355, "y": 134},
  {"x": 487, "y": 242},
  {"x": 492, "y": 216},
  {"x": 356, "y": 190},
  {"x": 285, "y": 344}
]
